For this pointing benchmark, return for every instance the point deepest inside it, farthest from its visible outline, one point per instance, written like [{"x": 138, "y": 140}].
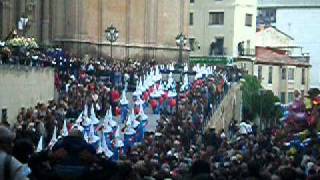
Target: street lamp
[
  {"x": 22, "y": 24},
  {"x": 181, "y": 41},
  {"x": 112, "y": 36}
]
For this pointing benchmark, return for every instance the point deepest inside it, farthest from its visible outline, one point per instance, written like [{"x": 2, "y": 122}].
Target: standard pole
[
  {"x": 111, "y": 49},
  {"x": 180, "y": 53}
]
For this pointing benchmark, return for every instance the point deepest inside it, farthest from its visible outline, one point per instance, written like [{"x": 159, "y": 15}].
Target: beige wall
[
  {"x": 233, "y": 30},
  {"x": 270, "y": 37},
  {"x": 278, "y": 85},
  {"x": 229, "y": 109},
  {"x": 148, "y": 25},
  {"x": 24, "y": 87}
]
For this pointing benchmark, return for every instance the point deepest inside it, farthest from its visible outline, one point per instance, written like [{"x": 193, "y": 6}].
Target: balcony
[
  {"x": 246, "y": 52},
  {"x": 211, "y": 60},
  {"x": 219, "y": 51}
]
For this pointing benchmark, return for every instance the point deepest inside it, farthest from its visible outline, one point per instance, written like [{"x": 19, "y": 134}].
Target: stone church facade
[{"x": 147, "y": 28}]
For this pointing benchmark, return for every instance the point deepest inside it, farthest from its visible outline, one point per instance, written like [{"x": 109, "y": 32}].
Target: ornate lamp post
[
  {"x": 181, "y": 41},
  {"x": 112, "y": 35}
]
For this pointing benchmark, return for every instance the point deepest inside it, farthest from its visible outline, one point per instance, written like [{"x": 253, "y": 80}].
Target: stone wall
[
  {"x": 22, "y": 86},
  {"x": 229, "y": 109},
  {"x": 81, "y": 24}
]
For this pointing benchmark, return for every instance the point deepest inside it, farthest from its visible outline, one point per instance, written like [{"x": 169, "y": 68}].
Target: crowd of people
[{"x": 178, "y": 149}]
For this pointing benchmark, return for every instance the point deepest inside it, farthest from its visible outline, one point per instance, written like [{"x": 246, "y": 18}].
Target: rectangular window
[
  {"x": 260, "y": 73},
  {"x": 290, "y": 97},
  {"x": 192, "y": 43},
  {"x": 270, "y": 75},
  {"x": 248, "y": 20},
  {"x": 4, "y": 115},
  {"x": 303, "y": 76},
  {"x": 216, "y": 18},
  {"x": 191, "y": 1},
  {"x": 283, "y": 73},
  {"x": 302, "y": 93},
  {"x": 283, "y": 97},
  {"x": 290, "y": 74},
  {"x": 191, "y": 19}
]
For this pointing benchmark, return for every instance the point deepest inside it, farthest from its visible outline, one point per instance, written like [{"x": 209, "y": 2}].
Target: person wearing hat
[{"x": 10, "y": 167}]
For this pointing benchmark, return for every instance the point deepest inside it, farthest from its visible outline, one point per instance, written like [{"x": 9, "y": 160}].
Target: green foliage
[
  {"x": 257, "y": 100},
  {"x": 250, "y": 95}
]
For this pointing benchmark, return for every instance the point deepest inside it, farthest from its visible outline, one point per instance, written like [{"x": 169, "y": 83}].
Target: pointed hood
[
  {"x": 171, "y": 67},
  {"x": 86, "y": 121},
  {"x": 130, "y": 131},
  {"x": 64, "y": 131},
  {"x": 160, "y": 88},
  {"x": 139, "y": 101},
  {"x": 186, "y": 68},
  {"x": 117, "y": 134},
  {"x": 53, "y": 138},
  {"x": 109, "y": 118},
  {"x": 134, "y": 123},
  {"x": 123, "y": 99},
  {"x": 40, "y": 145},
  {"x": 118, "y": 142},
  {"x": 93, "y": 117},
  {"x": 92, "y": 138},
  {"x": 85, "y": 110},
  {"x": 172, "y": 93},
  {"x": 104, "y": 147},
  {"x": 137, "y": 92},
  {"x": 79, "y": 119},
  {"x": 106, "y": 127},
  {"x": 142, "y": 114}
]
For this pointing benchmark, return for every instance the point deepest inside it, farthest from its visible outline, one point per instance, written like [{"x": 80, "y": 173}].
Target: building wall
[
  {"x": 304, "y": 25},
  {"x": 288, "y": 3},
  {"x": 272, "y": 38},
  {"x": 146, "y": 27},
  {"x": 233, "y": 30},
  {"x": 300, "y": 19},
  {"x": 230, "y": 109},
  {"x": 21, "y": 87},
  {"x": 279, "y": 85}
]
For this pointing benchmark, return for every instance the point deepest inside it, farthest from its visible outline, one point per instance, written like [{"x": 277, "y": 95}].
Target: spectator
[{"x": 10, "y": 167}]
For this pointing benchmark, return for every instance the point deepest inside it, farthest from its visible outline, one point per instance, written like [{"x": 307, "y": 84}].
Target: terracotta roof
[{"x": 266, "y": 55}]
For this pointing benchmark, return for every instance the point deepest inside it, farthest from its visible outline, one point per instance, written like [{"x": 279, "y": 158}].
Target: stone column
[
  {"x": 45, "y": 21},
  {"x": 5, "y": 17},
  {"x": 82, "y": 15},
  {"x": 22, "y": 7}
]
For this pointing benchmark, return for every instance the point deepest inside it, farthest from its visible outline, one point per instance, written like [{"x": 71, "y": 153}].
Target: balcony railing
[
  {"x": 218, "y": 52},
  {"x": 247, "y": 52},
  {"x": 211, "y": 60}
]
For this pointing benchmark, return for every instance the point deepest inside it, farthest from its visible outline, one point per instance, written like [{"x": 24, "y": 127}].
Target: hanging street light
[
  {"x": 181, "y": 41},
  {"x": 112, "y": 35}
]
